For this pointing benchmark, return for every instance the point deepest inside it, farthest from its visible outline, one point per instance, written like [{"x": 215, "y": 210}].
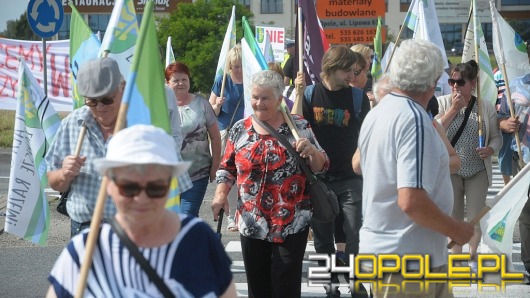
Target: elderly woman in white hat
[{"x": 187, "y": 258}]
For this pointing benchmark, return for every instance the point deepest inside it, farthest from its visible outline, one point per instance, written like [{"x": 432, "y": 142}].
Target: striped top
[{"x": 194, "y": 264}]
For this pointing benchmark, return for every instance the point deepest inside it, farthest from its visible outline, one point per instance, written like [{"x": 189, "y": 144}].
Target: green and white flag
[
  {"x": 228, "y": 43},
  {"x": 475, "y": 38},
  {"x": 36, "y": 123},
  {"x": 423, "y": 20},
  {"x": 84, "y": 46},
  {"x": 170, "y": 56},
  {"x": 120, "y": 37},
  {"x": 377, "y": 71},
  {"x": 499, "y": 223},
  {"x": 508, "y": 44}
]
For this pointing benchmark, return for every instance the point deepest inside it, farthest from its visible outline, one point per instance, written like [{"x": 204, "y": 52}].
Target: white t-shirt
[{"x": 401, "y": 148}]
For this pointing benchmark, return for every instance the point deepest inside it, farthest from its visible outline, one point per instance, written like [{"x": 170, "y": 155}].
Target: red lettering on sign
[
  {"x": 7, "y": 81},
  {"x": 11, "y": 57},
  {"x": 276, "y": 36},
  {"x": 59, "y": 79},
  {"x": 29, "y": 57}
]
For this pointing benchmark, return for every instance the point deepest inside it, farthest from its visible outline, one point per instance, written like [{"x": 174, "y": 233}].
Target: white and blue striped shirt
[{"x": 194, "y": 264}]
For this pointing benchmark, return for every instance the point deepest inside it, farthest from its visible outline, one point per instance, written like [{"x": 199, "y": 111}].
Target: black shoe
[
  {"x": 333, "y": 294},
  {"x": 341, "y": 258},
  {"x": 526, "y": 277}
]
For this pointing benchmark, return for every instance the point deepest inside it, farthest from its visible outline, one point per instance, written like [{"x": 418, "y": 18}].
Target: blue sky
[{"x": 11, "y": 10}]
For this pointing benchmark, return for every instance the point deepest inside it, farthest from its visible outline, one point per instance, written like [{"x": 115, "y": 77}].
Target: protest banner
[{"x": 57, "y": 56}]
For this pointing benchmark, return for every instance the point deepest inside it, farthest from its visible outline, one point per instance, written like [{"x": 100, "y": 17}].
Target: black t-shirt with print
[{"x": 334, "y": 123}]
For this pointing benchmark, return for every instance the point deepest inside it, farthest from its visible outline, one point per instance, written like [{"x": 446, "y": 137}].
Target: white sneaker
[{"x": 474, "y": 266}]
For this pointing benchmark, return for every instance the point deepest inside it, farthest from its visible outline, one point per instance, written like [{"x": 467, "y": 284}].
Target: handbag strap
[
  {"x": 466, "y": 117},
  {"x": 151, "y": 273},
  {"x": 235, "y": 111},
  {"x": 289, "y": 148}
]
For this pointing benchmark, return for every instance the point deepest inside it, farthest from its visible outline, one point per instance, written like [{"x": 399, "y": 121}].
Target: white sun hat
[{"x": 138, "y": 145}]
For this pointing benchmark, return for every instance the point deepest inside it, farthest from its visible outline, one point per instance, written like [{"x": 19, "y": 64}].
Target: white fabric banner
[{"x": 58, "y": 70}]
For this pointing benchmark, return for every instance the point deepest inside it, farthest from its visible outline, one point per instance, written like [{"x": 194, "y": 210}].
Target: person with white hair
[
  {"x": 407, "y": 201},
  {"x": 273, "y": 209},
  {"x": 183, "y": 251}
]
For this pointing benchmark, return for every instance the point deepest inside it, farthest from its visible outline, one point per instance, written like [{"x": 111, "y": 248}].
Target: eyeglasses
[
  {"x": 93, "y": 102},
  {"x": 460, "y": 82},
  {"x": 153, "y": 190}
]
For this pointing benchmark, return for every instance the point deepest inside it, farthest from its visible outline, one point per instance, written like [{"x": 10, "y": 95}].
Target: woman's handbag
[
  {"x": 61, "y": 207},
  {"x": 324, "y": 201}
]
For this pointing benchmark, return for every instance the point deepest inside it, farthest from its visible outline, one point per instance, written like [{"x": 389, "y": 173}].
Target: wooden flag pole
[
  {"x": 297, "y": 106},
  {"x": 512, "y": 114},
  {"x": 99, "y": 207},
  {"x": 289, "y": 119},
  {"x": 97, "y": 217},
  {"x": 481, "y": 140},
  {"x": 223, "y": 84},
  {"x": 397, "y": 39},
  {"x": 395, "y": 47}
]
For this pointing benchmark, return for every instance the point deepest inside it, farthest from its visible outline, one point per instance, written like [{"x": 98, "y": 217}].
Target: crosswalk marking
[{"x": 233, "y": 248}]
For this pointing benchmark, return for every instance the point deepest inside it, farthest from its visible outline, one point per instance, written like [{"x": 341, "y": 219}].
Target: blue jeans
[
  {"x": 191, "y": 199},
  {"x": 77, "y": 227},
  {"x": 506, "y": 155},
  {"x": 349, "y": 193}
]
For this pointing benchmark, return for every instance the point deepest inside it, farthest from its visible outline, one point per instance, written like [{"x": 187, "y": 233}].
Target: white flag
[
  {"x": 508, "y": 44},
  {"x": 427, "y": 27},
  {"x": 250, "y": 67},
  {"x": 228, "y": 43},
  {"x": 170, "y": 56},
  {"x": 386, "y": 56},
  {"x": 498, "y": 225},
  {"x": 36, "y": 123},
  {"x": 475, "y": 39},
  {"x": 121, "y": 35},
  {"x": 268, "y": 53}
]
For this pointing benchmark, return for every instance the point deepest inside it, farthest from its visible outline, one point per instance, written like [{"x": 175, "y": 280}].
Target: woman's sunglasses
[
  {"x": 153, "y": 190},
  {"x": 460, "y": 82}
]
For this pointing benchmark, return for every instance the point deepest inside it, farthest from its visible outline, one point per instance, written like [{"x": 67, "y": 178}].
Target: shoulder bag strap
[
  {"x": 310, "y": 175},
  {"x": 466, "y": 117},
  {"x": 151, "y": 273},
  {"x": 235, "y": 111}
]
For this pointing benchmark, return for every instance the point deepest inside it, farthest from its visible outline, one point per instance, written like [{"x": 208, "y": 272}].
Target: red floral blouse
[{"x": 273, "y": 200}]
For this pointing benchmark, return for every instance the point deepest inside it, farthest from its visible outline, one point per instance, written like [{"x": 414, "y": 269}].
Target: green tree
[
  {"x": 197, "y": 31},
  {"x": 19, "y": 29}
]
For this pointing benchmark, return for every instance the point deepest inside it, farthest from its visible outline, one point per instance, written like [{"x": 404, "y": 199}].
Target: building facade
[{"x": 452, "y": 15}]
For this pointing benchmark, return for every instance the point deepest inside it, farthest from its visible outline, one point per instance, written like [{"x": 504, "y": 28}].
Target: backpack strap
[
  {"x": 358, "y": 95},
  {"x": 308, "y": 93}
]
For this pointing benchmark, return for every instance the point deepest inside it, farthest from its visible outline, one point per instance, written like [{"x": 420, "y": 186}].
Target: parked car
[{"x": 458, "y": 48}]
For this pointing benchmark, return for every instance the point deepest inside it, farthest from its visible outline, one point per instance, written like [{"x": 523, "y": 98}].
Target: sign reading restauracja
[{"x": 106, "y": 6}]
